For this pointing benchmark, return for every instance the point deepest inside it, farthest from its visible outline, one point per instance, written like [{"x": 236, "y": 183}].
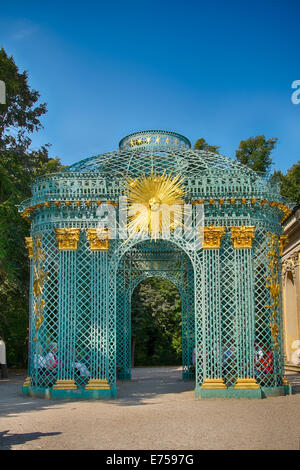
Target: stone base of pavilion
[
  {"x": 243, "y": 388},
  {"x": 76, "y": 394}
]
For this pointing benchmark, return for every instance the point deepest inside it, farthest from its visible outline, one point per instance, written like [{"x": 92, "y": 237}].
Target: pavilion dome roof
[{"x": 159, "y": 151}]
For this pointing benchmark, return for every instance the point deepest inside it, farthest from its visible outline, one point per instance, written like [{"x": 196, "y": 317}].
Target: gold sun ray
[{"x": 155, "y": 204}]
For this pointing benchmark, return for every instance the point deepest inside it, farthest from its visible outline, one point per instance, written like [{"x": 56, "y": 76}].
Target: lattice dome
[{"x": 164, "y": 151}]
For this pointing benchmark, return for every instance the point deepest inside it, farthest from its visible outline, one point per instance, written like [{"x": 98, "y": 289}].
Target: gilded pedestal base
[
  {"x": 213, "y": 384},
  {"x": 27, "y": 382},
  {"x": 246, "y": 383},
  {"x": 97, "y": 384},
  {"x": 65, "y": 384}
]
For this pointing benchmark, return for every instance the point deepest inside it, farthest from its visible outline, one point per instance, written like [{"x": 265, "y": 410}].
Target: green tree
[
  {"x": 255, "y": 152},
  {"x": 156, "y": 323},
  {"x": 289, "y": 183},
  {"x": 201, "y": 144},
  {"x": 19, "y": 165}
]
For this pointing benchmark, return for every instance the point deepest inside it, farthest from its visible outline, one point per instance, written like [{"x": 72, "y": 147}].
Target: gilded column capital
[
  {"x": 67, "y": 238},
  {"x": 29, "y": 246},
  {"x": 242, "y": 236},
  {"x": 98, "y": 239},
  {"x": 212, "y": 237}
]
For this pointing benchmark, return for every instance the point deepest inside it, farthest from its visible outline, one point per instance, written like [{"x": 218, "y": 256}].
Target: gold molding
[
  {"x": 273, "y": 284},
  {"x": 212, "y": 237},
  {"x": 97, "y": 384},
  {"x": 213, "y": 384},
  {"x": 282, "y": 243},
  {"x": 67, "y": 238},
  {"x": 40, "y": 276},
  {"x": 29, "y": 246},
  {"x": 246, "y": 383},
  {"x": 65, "y": 384},
  {"x": 96, "y": 241},
  {"x": 242, "y": 236}
]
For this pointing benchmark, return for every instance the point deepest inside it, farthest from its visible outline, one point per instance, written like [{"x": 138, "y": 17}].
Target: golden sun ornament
[{"x": 155, "y": 204}]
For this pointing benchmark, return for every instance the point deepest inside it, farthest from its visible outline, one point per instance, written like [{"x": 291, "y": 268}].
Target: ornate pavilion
[{"x": 89, "y": 250}]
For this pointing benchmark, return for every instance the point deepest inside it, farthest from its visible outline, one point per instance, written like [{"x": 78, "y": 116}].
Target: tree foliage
[
  {"x": 255, "y": 152},
  {"x": 289, "y": 182},
  {"x": 156, "y": 323},
  {"x": 20, "y": 117},
  {"x": 201, "y": 144}
]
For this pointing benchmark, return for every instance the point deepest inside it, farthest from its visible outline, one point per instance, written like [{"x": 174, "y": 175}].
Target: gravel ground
[{"x": 156, "y": 410}]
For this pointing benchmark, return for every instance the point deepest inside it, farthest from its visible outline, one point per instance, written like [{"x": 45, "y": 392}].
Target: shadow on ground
[
  {"x": 8, "y": 440},
  {"x": 149, "y": 383},
  {"x": 12, "y": 402}
]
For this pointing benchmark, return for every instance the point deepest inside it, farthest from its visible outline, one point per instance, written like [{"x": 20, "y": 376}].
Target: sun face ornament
[{"x": 155, "y": 205}]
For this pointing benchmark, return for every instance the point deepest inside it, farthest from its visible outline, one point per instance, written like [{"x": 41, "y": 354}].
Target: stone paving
[{"x": 156, "y": 411}]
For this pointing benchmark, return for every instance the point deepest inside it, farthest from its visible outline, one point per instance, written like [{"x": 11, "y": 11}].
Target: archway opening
[
  {"x": 156, "y": 324},
  {"x": 167, "y": 318}
]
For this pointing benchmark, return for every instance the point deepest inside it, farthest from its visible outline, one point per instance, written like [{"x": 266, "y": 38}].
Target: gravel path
[{"x": 156, "y": 410}]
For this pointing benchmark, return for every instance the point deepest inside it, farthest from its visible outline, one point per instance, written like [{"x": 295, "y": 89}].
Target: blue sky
[{"x": 221, "y": 70}]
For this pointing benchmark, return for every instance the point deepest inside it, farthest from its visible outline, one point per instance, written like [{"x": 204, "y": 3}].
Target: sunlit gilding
[{"x": 155, "y": 204}]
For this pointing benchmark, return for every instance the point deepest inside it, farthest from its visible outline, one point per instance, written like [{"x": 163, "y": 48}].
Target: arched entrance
[
  {"x": 161, "y": 260},
  {"x": 156, "y": 324}
]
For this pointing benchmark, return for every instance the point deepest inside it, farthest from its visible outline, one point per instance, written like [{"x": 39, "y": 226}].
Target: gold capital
[
  {"x": 212, "y": 237},
  {"x": 242, "y": 236},
  {"x": 67, "y": 238},
  {"x": 98, "y": 239}
]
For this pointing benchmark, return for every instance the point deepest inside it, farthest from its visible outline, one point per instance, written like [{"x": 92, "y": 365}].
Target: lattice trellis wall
[{"x": 80, "y": 291}]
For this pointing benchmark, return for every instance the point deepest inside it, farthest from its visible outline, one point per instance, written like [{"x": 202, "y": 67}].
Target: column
[
  {"x": 213, "y": 384},
  {"x": 98, "y": 383},
  {"x": 67, "y": 239},
  {"x": 246, "y": 384}
]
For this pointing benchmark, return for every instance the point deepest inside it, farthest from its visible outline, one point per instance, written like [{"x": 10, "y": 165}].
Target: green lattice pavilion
[{"x": 85, "y": 266}]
